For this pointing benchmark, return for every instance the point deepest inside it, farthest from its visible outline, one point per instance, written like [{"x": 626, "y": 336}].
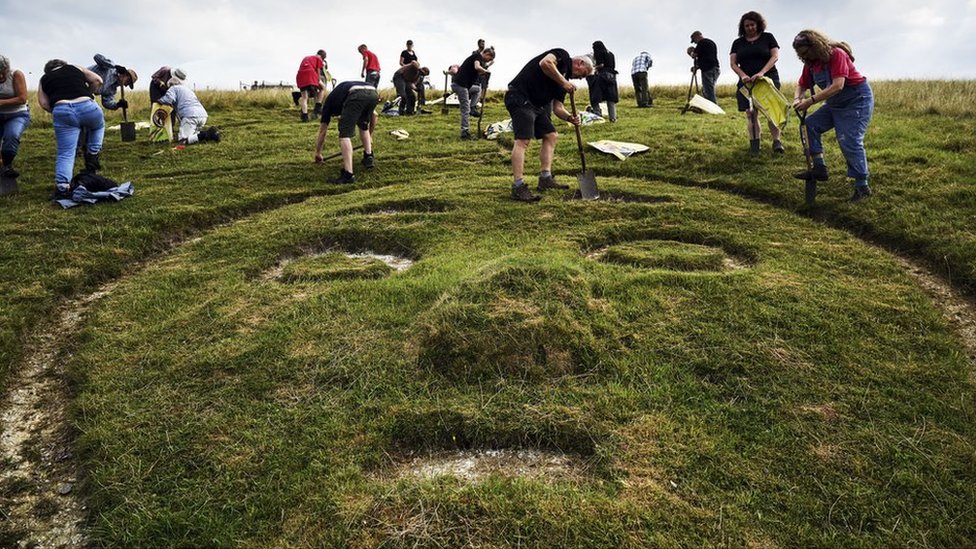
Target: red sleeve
[{"x": 806, "y": 81}]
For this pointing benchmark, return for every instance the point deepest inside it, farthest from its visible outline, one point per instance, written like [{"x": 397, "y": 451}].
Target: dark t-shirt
[
  {"x": 409, "y": 72},
  {"x": 68, "y": 82},
  {"x": 536, "y": 85},
  {"x": 608, "y": 61},
  {"x": 753, "y": 56},
  {"x": 707, "y": 54},
  {"x": 467, "y": 76},
  {"x": 333, "y": 103},
  {"x": 406, "y": 56}
]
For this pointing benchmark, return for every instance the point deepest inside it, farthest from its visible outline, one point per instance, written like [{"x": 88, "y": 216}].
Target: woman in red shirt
[{"x": 848, "y": 104}]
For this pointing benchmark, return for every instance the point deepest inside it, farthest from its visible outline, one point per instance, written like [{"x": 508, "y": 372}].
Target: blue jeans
[
  {"x": 12, "y": 126},
  {"x": 69, "y": 120},
  {"x": 709, "y": 78},
  {"x": 848, "y": 113}
]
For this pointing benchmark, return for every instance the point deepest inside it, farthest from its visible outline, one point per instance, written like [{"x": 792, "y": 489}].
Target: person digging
[
  {"x": 544, "y": 80},
  {"x": 353, "y": 102}
]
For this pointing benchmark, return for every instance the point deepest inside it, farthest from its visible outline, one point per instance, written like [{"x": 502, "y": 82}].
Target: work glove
[{"x": 122, "y": 104}]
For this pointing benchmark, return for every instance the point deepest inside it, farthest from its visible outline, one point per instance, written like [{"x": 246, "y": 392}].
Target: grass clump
[
  {"x": 675, "y": 256},
  {"x": 334, "y": 266}
]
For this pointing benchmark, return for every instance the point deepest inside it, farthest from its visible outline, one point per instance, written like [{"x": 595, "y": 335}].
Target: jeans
[
  {"x": 709, "y": 78},
  {"x": 466, "y": 98},
  {"x": 641, "y": 92},
  {"x": 407, "y": 96},
  {"x": 69, "y": 121},
  {"x": 12, "y": 126},
  {"x": 848, "y": 113}
]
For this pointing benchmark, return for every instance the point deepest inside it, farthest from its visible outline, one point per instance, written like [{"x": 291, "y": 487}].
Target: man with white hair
[
  {"x": 193, "y": 117},
  {"x": 537, "y": 92}
]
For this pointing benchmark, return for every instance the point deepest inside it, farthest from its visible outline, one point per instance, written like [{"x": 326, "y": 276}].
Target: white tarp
[{"x": 619, "y": 149}]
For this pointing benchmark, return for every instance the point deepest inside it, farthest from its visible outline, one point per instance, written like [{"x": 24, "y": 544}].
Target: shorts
[
  {"x": 311, "y": 89},
  {"x": 528, "y": 121},
  {"x": 357, "y": 110},
  {"x": 744, "y": 100}
]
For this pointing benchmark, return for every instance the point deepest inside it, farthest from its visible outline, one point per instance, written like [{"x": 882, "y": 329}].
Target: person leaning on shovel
[
  {"x": 848, "y": 104},
  {"x": 544, "y": 80},
  {"x": 353, "y": 102},
  {"x": 113, "y": 76}
]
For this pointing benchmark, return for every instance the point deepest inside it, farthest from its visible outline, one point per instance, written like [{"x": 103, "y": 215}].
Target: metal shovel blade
[
  {"x": 811, "y": 191},
  {"x": 128, "y": 132},
  {"x": 587, "y": 185},
  {"x": 8, "y": 185}
]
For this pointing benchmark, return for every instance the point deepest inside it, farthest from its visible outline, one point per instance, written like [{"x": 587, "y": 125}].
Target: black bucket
[{"x": 128, "y": 132}]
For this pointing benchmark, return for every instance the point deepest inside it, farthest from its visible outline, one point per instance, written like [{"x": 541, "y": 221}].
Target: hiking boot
[
  {"x": 860, "y": 193},
  {"x": 819, "y": 172},
  {"x": 475, "y": 113},
  {"x": 344, "y": 177},
  {"x": 60, "y": 194},
  {"x": 304, "y": 117},
  {"x": 9, "y": 171},
  {"x": 317, "y": 111},
  {"x": 213, "y": 134},
  {"x": 549, "y": 182},
  {"x": 92, "y": 163},
  {"x": 523, "y": 194},
  {"x": 466, "y": 136},
  {"x": 368, "y": 161},
  {"x": 778, "y": 147}
]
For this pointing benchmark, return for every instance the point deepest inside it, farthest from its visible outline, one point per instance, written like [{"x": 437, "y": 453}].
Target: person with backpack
[
  {"x": 467, "y": 86},
  {"x": 67, "y": 92},
  {"x": 14, "y": 115},
  {"x": 193, "y": 117},
  {"x": 848, "y": 103}
]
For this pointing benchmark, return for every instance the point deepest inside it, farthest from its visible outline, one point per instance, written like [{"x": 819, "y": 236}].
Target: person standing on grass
[
  {"x": 603, "y": 84},
  {"x": 754, "y": 54},
  {"x": 537, "y": 92},
  {"x": 67, "y": 92},
  {"x": 14, "y": 115},
  {"x": 193, "y": 117},
  {"x": 406, "y": 80},
  {"x": 371, "y": 66},
  {"x": 311, "y": 82},
  {"x": 638, "y": 74},
  {"x": 353, "y": 102},
  {"x": 848, "y": 103},
  {"x": 112, "y": 76},
  {"x": 408, "y": 56},
  {"x": 467, "y": 86},
  {"x": 705, "y": 54}
]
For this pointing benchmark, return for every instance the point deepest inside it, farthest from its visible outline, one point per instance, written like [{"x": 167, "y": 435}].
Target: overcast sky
[{"x": 223, "y": 43}]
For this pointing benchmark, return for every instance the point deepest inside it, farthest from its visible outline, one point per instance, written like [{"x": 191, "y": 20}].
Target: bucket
[{"x": 128, "y": 132}]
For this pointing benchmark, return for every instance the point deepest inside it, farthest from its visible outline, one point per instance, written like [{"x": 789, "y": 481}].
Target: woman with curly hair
[
  {"x": 848, "y": 104},
  {"x": 754, "y": 55}
]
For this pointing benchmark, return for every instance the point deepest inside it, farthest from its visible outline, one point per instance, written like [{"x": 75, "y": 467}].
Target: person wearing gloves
[
  {"x": 113, "y": 76},
  {"x": 193, "y": 117},
  {"x": 14, "y": 115},
  {"x": 848, "y": 103}
]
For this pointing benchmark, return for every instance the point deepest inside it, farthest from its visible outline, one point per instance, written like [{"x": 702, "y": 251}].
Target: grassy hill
[{"x": 416, "y": 360}]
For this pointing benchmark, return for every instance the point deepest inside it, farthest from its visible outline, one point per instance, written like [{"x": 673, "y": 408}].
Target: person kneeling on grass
[
  {"x": 353, "y": 102},
  {"x": 848, "y": 104},
  {"x": 541, "y": 85},
  {"x": 193, "y": 117}
]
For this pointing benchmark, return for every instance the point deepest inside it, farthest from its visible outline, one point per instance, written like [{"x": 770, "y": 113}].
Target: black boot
[
  {"x": 317, "y": 111},
  {"x": 203, "y": 136},
  {"x": 8, "y": 166},
  {"x": 92, "y": 162},
  {"x": 344, "y": 177},
  {"x": 213, "y": 134},
  {"x": 304, "y": 117}
]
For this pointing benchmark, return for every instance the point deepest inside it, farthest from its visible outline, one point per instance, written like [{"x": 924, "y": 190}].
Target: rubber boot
[{"x": 92, "y": 162}]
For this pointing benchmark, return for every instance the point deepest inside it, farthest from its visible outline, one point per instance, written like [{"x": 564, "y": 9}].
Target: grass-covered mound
[
  {"x": 333, "y": 266},
  {"x": 675, "y": 256}
]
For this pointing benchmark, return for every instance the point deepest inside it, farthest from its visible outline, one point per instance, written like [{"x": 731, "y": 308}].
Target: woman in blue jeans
[
  {"x": 67, "y": 92},
  {"x": 14, "y": 115},
  {"x": 848, "y": 105}
]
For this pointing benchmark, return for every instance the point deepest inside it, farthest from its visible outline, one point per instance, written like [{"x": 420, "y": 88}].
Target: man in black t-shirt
[
  {"x": 467, "y": 85},
  {"x": 705, "y": 54},
  {"x": 353, "y": 103},
  {"x": 533, "y": 95}
]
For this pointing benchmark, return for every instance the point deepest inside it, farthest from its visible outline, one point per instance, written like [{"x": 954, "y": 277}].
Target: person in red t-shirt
[
  {"x": 371, "y": 66},
  {"x": 311, "y": 81},
  {"x": 848, "y": 105}
]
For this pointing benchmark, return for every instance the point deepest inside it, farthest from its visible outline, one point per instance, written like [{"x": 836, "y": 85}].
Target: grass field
[{"x": 704, "y": 362}]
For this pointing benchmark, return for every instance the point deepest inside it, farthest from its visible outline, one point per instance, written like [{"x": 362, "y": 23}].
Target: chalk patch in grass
[
  {"x": 477, "y": 465},
  {"x": 337, "y": 265},
  {"x": 619, "y": 196},
  {"x": 668, "y": 255}
]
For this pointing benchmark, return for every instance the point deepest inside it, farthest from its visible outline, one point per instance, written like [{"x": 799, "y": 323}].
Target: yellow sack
[
  {"x": 768, "y": 100},
  {"x": 162, "y": 123}
]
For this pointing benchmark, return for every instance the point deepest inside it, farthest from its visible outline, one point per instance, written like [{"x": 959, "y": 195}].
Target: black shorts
[
  {"x": 311, "y": 89},
  {"x": 357, "y": 110},
  {"x": 528, "y": 121},
  {"x": 743, "y": 100}
]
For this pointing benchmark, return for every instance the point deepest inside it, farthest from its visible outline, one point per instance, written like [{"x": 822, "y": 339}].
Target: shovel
[
  {"x": 444, "y": 109},
  {"x": 587, "y": 180},
  {"x": 811, "y": 184},
  {"x": 481, "y": 111},
  {"x": 128, "y": 128},
  {"x": 338, "y": 154},
  {"x": 8, "y": 185}
]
